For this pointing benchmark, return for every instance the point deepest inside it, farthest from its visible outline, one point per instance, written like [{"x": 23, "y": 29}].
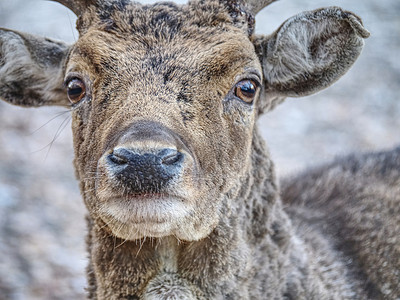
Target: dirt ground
[{"x": 42, "y": 228}]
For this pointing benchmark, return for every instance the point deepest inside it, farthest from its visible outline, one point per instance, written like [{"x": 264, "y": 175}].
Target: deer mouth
[
  {"x": 135, "y": 216},
  {"x": 144, "y": 197}
]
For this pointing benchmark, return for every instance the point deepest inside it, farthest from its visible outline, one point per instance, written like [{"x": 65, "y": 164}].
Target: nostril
[
  {"x": 170, "y": 156},
  {"x": 119, "y": 157}
]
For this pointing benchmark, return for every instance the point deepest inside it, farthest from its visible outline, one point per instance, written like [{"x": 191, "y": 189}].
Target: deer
[{"x": 181, "y": 193}]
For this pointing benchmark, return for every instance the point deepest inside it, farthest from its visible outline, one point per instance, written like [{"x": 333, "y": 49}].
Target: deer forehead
[
  {"x": 196, "y": 35},
  {"x": 206, "y": 53}
]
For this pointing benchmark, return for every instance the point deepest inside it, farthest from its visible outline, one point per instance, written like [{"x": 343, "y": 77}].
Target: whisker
[
  {"x": 141, "y": 245},
  {"x": 126, "y": 239},
  {"x": 52, "y": 119},
  {"x": 62, "y": 126},
  {"x": 60, "y": 129},
  {"x": 70, "y": 24}
]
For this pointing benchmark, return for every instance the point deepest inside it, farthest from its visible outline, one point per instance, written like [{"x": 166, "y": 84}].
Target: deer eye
[
  {"x": 76, "y": 90},
  {"x": 246, "y": 90}
]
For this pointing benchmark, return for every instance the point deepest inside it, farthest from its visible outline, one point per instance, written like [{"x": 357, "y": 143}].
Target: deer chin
[{"x": 150, "y": 215}]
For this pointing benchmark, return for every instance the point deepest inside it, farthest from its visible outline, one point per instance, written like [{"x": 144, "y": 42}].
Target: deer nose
[{"x": 145, "y": 171}]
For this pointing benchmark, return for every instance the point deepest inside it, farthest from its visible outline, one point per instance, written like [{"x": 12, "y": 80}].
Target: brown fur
[{"x": 163, "y": 76}]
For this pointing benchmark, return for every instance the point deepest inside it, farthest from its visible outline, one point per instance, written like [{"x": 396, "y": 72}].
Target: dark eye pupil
[
  {"x": 248, "y": 88},
  {"x": 75, "y": 91}
]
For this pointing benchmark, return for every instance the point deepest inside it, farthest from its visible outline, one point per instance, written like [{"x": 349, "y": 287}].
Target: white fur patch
[{"x": 168, "y": 286}]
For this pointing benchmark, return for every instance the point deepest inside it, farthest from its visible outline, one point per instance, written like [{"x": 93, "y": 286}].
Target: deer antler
[
  {"x": 77, "y": 6},
  {"x": 256, "y": 5},
  {"x": 252, "y": 6}
]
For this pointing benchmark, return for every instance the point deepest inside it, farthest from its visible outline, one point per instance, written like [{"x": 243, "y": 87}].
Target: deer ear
[
  {"x": 308, "y": 53},
  {"x": 31, "y": 70}
]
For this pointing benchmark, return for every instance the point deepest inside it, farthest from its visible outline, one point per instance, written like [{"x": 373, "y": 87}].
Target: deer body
[{"x": 182, "y": 197}]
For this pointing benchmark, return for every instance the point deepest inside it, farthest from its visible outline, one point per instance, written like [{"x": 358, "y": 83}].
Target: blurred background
[{"x": 42, "y": 228}]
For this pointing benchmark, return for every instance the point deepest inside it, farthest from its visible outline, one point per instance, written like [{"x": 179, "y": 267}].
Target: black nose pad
[{"x": 144, "y": 172}]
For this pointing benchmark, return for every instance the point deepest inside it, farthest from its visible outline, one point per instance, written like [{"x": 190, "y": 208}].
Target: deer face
[
  {"x": 165, "y": 98},
  {"x": 169, "y": 112}
]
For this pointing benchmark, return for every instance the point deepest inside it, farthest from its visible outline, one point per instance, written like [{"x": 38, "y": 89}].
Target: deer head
[{"x": 164, "y": 100}]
